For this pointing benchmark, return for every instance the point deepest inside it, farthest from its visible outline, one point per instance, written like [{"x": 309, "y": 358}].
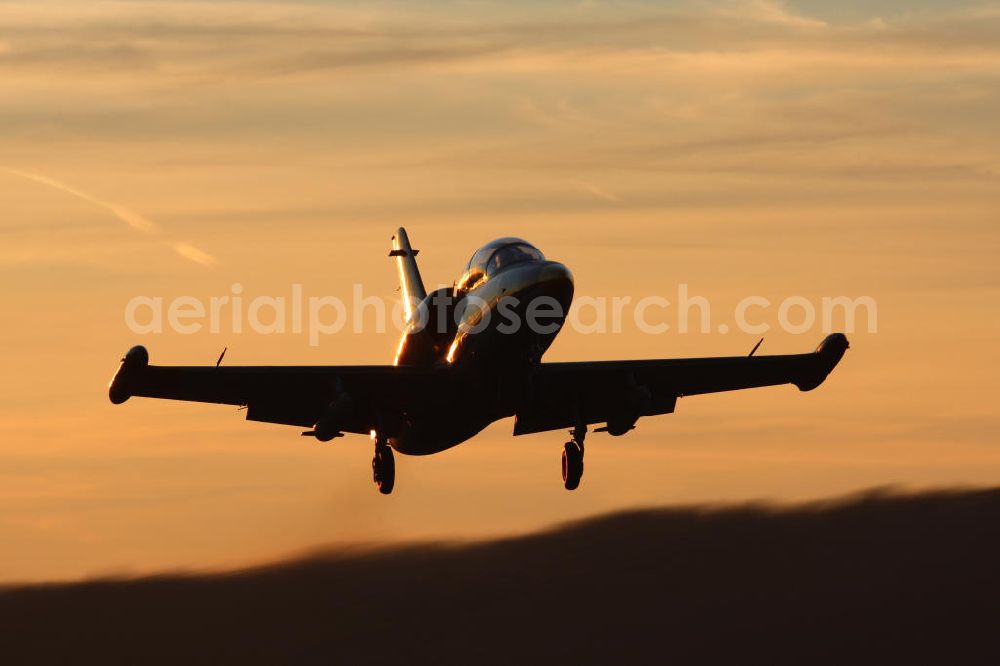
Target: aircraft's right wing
[{"x": 564, "y": 395}]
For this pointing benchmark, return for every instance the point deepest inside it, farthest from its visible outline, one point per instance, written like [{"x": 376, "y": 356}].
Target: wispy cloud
[
  {"x": 599, "y": 192},
  {"x": 126, "y": 215},
  {"x": 265, "y": 40},
  {"x": 620, "y": 101}
]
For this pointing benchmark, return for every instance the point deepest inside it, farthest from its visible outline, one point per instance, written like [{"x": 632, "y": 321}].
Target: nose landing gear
[
  {"x": 572, "y": 458},
  {"x": 383, "y": 466}
]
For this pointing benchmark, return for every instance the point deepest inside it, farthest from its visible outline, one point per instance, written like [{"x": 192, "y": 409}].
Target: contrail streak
[
  {"x": 194, "y": 254},
  {"x": 129, "y": 217}
]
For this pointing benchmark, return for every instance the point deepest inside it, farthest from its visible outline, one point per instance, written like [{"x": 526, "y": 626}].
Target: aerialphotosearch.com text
[{"x": 318, "y": 317}]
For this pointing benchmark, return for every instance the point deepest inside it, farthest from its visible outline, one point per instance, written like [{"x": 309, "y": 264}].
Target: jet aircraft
[{"x": 462, "y": 364}]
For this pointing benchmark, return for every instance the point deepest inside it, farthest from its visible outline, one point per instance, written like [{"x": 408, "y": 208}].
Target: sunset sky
[{"x": 802, "y": 148}]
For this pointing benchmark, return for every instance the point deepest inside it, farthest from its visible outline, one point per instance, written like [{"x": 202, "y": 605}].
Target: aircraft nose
[
  {"x": 557, "y": 281},
  {"x": 553, "y": 271}
]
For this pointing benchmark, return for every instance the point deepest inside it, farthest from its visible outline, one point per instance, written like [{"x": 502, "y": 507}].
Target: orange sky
[{"x": 764, "y": 148}]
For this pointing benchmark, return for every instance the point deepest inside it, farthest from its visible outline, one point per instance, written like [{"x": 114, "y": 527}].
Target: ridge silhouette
[{"x": 875, "y": 578}]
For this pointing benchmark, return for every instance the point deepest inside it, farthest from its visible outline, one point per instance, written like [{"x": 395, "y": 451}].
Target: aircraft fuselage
[{"x": 494, "y": 324}]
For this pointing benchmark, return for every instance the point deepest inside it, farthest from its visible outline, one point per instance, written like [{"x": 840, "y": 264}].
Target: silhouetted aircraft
[{"x": 470, "y": 355}]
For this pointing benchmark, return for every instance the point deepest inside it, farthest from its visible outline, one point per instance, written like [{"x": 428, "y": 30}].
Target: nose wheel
[
  {"x": 383, "y": 467},
  {"x": 572, "y": 459}
]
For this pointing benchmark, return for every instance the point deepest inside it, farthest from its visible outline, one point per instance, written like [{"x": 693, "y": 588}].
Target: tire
[
  {"x": 572, "y": 465},
  {"x": 384, "y": 469}
]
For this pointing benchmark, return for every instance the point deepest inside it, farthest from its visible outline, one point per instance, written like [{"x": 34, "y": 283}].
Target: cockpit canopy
[{"x": 494, "y": 257}]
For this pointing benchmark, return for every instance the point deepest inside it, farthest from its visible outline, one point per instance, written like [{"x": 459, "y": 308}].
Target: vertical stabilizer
[{"x": 411, "y": 285}]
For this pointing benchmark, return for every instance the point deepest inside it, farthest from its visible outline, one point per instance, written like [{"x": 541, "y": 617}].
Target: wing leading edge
[{"x": 564, "y": 395}]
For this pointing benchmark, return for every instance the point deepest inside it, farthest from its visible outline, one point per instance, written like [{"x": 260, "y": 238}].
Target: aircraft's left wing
[
  {"x": 290, "y": 395},
  {"x": 564, "y": 395}
]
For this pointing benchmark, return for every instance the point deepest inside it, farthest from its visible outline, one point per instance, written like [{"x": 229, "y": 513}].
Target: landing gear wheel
[
  {"x": 572, "y": 465},
  {"x": 384, "y": 469}
]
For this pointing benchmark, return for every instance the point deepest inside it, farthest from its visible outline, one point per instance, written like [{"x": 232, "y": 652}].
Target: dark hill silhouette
[{"x": 879, "y": 578}]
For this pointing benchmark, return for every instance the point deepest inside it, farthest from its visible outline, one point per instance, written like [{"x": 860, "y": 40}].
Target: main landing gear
[
  {"x": 572, "y": 458},
  {"x": 383, "y": 465}
]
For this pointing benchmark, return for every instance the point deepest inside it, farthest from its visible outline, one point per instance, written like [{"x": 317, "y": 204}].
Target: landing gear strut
[
  {"x": 572, "y": 458},
  {"x": 383, "y": 466}
]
